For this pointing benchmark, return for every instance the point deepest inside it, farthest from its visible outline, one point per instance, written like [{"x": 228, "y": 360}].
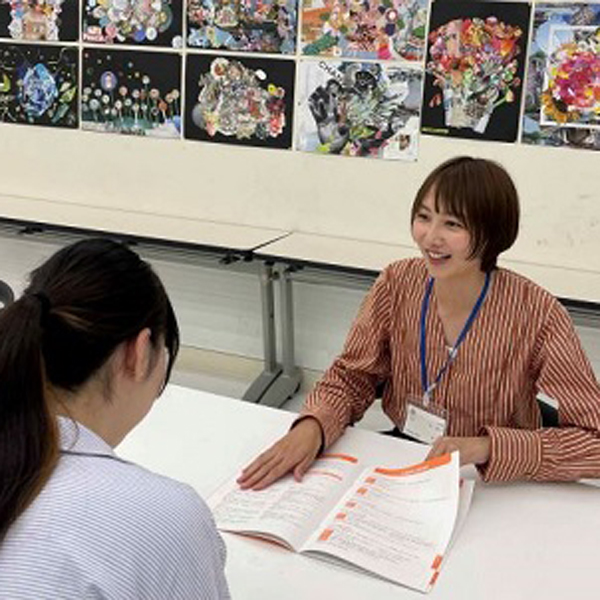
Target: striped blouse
[
  {"x": 108, "y": 529},
  {"x": 522, "y": 342}
]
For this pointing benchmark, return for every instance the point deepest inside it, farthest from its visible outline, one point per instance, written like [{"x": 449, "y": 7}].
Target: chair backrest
[{"x": 6, "y": 294}]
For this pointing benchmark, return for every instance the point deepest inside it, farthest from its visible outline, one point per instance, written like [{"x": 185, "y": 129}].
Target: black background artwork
[
  {"x": 235, "y": 101},
  {"x": 164, "y": 24},
  {"x": 67, "y": 21},
  {"x": 133, "y": 91},
  {"x": 503, "y": 123},
  {"x": 38, "y": 85}
]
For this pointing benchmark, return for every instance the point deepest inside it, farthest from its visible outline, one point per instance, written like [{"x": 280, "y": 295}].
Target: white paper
[
  {"x": 395, "y": 523},
  {"x": 287, "y": 510}
]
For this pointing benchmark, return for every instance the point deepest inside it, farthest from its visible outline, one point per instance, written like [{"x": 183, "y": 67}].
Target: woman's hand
[
  {"x": 295, "y": 452},
  {"x": 472, "y": 450}
]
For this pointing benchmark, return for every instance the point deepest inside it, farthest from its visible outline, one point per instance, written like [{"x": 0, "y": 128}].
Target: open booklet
[{"x": 393, "y": 523}]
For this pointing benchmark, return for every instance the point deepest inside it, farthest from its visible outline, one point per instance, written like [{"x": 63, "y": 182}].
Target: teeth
[{"x": 437, "y": 255}]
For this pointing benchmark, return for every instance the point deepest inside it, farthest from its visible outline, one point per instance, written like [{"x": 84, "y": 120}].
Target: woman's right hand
[{"x": 295, "y": 452}]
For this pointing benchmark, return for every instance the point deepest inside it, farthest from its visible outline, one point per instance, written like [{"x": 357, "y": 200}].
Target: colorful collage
[
  {"x": 242, "y": 100},
  {"x": 474, "y": 69},
  {"x": 361, "y": 78},
  {"x": 359, "y": 109},
  {"x": 562, "y": 97}
]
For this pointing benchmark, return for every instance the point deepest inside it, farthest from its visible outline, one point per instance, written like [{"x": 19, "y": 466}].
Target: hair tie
[{"x": 45, "y": 304}]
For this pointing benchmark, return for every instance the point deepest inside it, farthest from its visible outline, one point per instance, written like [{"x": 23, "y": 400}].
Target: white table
[
  {"x": 336, "y": 252},
  {"x": 520, "y": 541}
]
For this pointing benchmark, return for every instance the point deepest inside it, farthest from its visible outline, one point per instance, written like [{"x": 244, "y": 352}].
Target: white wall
[
  {"x": 219, "y": 309},
  {"x": 356, "y": 198}
]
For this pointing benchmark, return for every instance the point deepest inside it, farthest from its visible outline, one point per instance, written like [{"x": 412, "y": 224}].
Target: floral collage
[{"x": 361, "y": 78}]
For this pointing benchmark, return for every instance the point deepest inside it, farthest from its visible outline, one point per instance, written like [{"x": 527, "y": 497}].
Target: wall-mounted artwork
[
  {"x": 562, "y": 95},
  {"x": 474, "y": 69},
  {"x": 239, "y": 100},
  {"x": 40, "y": 20},
  {"x": 379, "y": 29},
  {"x": 38, "y": 85},
  {"x": 144, "y": 22},
  {"x": 359, "y": 109},
  {"x": 131, "y": 92},
  {"x": 243, "y": 25}
]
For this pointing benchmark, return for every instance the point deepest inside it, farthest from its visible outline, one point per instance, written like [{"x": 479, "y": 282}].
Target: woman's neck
[
  {"x": 457, "y": 295},
  {"x": 90, "y": 408}
]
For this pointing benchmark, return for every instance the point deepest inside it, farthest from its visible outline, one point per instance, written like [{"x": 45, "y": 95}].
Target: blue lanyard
[{"x": 427, "y": 388}]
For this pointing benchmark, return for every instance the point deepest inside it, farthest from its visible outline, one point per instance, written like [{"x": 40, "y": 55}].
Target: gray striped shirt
[{"x": 105, "y": 528}]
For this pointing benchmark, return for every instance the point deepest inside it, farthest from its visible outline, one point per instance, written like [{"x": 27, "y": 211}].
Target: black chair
[{"x": 6, "y": 295}]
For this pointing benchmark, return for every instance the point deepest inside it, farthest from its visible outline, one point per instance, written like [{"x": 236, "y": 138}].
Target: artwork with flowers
[
  {"x": 40, "y": 20},
  {"x": 379, "y": 29},
  {"x": 562, "y": 94},
  {"x": 239, "y": 100},
  {"x": 136, "y": 93},
  {"x": 145, "y": 22},
  {"x": 359, "y": 109},
  {"x": 38, "y": 85},
  {"x": 474, "y": 69},
  {"x": 243, "y": 25}
]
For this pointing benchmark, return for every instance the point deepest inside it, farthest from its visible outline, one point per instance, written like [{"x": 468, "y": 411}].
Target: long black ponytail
[{"x": 79, "y": 306}]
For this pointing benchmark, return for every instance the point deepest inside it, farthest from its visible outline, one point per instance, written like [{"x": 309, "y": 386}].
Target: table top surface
[
  {"x": 519, "y": 541},
  {"x": 336, "y": 252},
  {"x": 363, "y": 255}
]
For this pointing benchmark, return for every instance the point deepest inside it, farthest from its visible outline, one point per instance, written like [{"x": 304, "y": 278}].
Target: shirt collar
[{"x": 78, "y": 439}]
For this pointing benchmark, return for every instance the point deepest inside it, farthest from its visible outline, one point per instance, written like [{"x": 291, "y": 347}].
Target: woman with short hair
[{"x": 462, "y": 349}]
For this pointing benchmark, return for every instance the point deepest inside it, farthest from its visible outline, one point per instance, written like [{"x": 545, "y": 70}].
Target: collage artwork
[{"x": 360, "y": 78}]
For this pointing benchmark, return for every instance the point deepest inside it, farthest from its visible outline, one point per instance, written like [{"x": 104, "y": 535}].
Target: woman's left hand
[{"x": 472, "y": 450}]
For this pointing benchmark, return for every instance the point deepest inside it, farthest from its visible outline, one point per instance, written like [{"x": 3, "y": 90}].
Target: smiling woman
[{"x": 462, "y": 346}]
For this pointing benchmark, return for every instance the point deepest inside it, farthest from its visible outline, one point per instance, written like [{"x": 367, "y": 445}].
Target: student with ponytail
[{"x": 83, "y": 355}]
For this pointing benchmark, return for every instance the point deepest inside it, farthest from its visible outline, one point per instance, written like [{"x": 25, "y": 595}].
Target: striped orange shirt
[{"x": 522, "y": 342}]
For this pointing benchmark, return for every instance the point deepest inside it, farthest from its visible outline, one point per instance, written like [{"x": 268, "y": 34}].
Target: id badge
[{"x": 424, "y": 423}]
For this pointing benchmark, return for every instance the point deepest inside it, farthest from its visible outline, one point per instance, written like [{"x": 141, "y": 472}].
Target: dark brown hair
[
  {"x": 80, "y": 305},
  {"x": 483, "y": 196}
]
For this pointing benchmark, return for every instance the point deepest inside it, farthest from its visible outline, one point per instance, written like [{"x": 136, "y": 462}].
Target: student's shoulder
[
  {"x": 159, "y": 493},
  {"x": 142, "y": 498}
]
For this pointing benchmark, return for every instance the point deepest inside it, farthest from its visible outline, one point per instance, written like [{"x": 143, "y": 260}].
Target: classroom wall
[
  {"x": 340, "y": 196},
  {"x": 219, "y": 310},
  {"x": 357, "y": 198}
]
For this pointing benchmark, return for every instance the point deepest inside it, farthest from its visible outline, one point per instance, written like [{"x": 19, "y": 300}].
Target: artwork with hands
[{"x": 359, "y": 109}]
